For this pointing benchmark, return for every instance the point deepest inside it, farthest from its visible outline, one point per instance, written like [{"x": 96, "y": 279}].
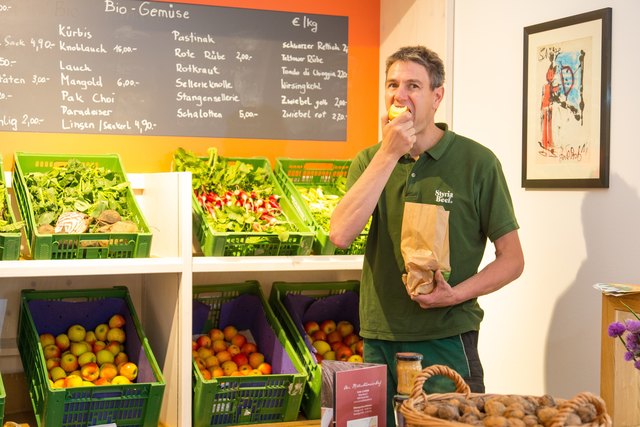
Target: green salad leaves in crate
[
  {"x": 79, "y": 206},
  {"x": 315, "y": 188},
  {"x": 239, "y": 209}
]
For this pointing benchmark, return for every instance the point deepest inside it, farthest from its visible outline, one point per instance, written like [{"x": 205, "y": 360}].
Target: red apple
[
  {"x": 90, "y": 371},
  {"x": 47, "y": 339},
  {"x": 116, "y": 321},
  {"x": 238, "y": 340},
  {"x": 351, "y": 339},
  {"x": 344, "y": 327},
  {"x": 218, "y": 346},
  {"x": 334, "y": 336},
  {"x": 98, "y": 345},
  {"x": 248, "y": 348},
  {"x": 360, "y": 347},
  {"x": 229, "y": 332},
  {"x": 62, "y": 341},
  {"x": 265, "y": 368},
  {"x": 52, "y": 362},
  {"x": 240, "y": 359},
  {"x": 319, "y": 336},
  {"x": 255, "y": 359},
  {"x": 216, "y": 334},
  {"x": 311, "y": 326},
  {"x": 328, "y": 326},
  {"x": 51, "y": 351},
  {"x": 336, "y": 345},
  {"x": 204, "y": 341},
  {"x": 343, "y": 353}
]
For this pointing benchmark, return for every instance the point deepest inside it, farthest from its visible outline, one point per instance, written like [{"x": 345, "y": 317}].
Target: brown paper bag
[{"x": 424, "y": 245}]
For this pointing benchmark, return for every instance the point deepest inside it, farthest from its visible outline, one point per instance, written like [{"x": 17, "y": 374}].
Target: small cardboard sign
[{"x": 356, "y": 393}]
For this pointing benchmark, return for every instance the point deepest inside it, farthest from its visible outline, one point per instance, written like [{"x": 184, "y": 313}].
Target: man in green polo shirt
[{"x": 420, "y": 161}]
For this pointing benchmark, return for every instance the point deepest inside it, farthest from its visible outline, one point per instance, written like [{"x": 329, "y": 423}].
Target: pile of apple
[
  {"x": 82, "y": 358},
  {"x": 334, "y": 341},
  {"x": 226, "y": 352}
]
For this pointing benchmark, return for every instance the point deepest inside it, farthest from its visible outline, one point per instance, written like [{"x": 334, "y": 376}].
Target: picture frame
[{"x": 566, "y": 102}]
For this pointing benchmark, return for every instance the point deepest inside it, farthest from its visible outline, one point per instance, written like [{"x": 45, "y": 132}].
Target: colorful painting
[{"x": 566, "y": 102}]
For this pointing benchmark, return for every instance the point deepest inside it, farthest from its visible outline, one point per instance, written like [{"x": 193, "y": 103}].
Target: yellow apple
[
  {"x": 128, "y": 370},
  {"x": 57, "y": 373},
  {"x": 321, "y": 346},
  {"x": 395, "y": 111},
  {"x": 69, "y": 362},
  {"x": 101, "y": 331},
  {"x": 76, "y": 333},
  {"x": 87, "y": 357},
  {"x": 104, "y": 356},
  {"x": 120, "y": 379},
  {"x": 116, "y": 334}
]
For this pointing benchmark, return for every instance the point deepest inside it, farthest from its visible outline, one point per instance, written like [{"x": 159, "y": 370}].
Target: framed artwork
[{"x": 566, "y": 102}]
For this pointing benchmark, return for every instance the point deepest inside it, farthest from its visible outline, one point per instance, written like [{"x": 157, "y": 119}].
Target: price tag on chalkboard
[{"x": 154, "y": 68}]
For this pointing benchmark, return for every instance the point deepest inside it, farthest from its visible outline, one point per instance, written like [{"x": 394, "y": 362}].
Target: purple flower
[
  {"x": 632, "y": 342},
  {"x": 616, "y": 329},
  {"x": 633, "y": 326},
  {"x": 637, "y": 364},
  {"x": 628, "y": 356}
]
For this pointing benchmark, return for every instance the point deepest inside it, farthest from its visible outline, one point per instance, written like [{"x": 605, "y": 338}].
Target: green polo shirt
[{"x": 465, "y": 178}]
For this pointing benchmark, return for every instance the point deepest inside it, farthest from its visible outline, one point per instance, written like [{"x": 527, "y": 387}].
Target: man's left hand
[{"x": 441, "y": 296}]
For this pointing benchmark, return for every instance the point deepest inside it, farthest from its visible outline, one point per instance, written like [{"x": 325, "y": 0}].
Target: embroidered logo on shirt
[{"x": 444, "y": 196}]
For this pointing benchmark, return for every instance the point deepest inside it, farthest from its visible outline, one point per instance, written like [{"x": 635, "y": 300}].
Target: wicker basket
[{"x": 412, "y": 409}]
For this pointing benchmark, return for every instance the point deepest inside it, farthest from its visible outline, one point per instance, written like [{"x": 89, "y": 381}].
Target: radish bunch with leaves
[{"x": 237, "y": 196}]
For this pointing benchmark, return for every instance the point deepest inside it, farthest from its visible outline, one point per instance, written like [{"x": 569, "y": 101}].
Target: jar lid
[
  {"x": 408, "y": 356},
  {"x": 399, "y": 398}
]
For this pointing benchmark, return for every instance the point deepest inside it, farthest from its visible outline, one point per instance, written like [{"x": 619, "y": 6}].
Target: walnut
[
  {"x": 495, "y": 421},
  {"x": 494, "y": 407},
  {"x": 515, "y": 410},
  {"x": 448, "y": 412},
  {"x": 546, "y": 414}
]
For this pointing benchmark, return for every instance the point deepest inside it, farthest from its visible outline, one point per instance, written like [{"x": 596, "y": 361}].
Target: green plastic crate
[
  {"x": 3, "y": 396},
  {"x": 9, "y": 242},
  {"x": 311, "y": 401},
  {"x": 232, "y": 400},
  {"x": 84, "y": 245},
  {"x": 214, "y": 243},
  {"x": 136, "y": 404},
  {"x": 302, "y": 173}
]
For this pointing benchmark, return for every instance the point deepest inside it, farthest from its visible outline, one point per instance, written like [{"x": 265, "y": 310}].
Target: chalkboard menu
[{"x": 154, "y": 68}]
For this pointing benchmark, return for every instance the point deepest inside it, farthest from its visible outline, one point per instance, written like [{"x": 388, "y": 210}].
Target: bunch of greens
[
  {"x": 76, "y": 187},
  {"x": 6, "y": 222},
  {"x": 238, "y": 196}
]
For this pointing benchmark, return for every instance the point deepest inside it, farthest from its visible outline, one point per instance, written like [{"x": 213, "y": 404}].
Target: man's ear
[{"x": 438, "y": 95}]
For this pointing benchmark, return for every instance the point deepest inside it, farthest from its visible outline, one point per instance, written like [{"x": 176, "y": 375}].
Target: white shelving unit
[{"x": 160, "y": 286}]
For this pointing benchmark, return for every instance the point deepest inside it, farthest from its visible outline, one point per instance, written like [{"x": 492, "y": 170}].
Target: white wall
[{"x": 541, "y": 334}]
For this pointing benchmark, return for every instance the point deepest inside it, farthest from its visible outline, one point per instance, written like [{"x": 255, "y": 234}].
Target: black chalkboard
[{"x": 153, "y": 68}]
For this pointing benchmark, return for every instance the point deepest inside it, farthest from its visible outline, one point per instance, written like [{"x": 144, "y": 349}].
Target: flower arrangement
[{"x": 631, "y": 340}]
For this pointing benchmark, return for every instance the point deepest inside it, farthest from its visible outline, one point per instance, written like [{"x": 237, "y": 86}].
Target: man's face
[{"x": 408, "y": 84}]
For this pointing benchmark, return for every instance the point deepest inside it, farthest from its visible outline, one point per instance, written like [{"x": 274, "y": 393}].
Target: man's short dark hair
[{"x": 423, "y": 56}]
